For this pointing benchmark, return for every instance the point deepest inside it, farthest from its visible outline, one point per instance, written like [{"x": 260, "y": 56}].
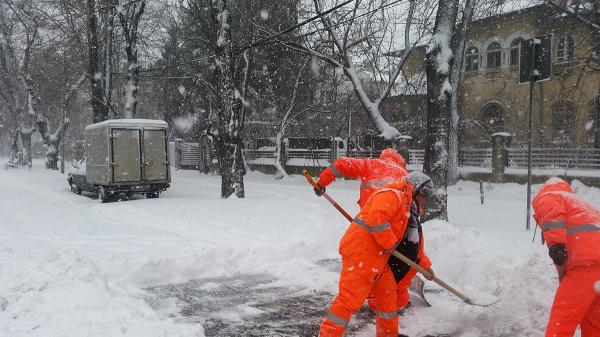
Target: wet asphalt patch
[{"x": 252, "y": 305}]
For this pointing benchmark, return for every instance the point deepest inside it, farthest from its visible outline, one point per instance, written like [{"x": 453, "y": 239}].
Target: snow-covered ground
[{"x": 72, "y": 266}]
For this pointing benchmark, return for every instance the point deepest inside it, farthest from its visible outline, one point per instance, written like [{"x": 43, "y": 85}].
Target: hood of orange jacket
[
  {"x": 392, "y": 156},
  {"x": 554, "y": 185}
]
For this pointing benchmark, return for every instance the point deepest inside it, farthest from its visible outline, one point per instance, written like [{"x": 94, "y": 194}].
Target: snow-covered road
[{"x": 71, "y": 266}]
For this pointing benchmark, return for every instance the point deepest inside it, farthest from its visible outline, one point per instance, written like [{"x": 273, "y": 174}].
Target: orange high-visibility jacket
[
  {"x": 373, "y": 173},
  {"x": 565, "y": 218},
  {"x": 379, "y": 225}
]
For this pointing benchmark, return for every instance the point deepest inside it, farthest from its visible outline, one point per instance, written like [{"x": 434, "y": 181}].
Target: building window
[
  {"x": 565, "y": 49},
  {"x": 472, "y": 59},
  {"x": 492, "y": 115},
  {"x": 563, "y": 118},
  {"x": 494, "y": 55},
  {"x": 515, "y": 51}
]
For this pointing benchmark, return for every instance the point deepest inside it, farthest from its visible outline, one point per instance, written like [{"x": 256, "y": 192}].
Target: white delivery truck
[{"x": 124, "y": 157}]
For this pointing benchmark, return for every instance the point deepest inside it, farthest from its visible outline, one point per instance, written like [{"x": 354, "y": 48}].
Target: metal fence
[
  {"x": 475, "y": 157},
  {"x": 364, "y": 154},
  {"x": 255, "y": 154},
  {"x": 585, "y": 159},
  {"x": 555, "y": 158},
  {"x": 416, "y": 157},
  {"x": 190, "y": 154},
  {"x": 309, "y": 154}
]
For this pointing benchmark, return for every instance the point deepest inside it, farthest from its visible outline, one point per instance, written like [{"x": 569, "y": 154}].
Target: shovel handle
[
  {"x": 330, "y": 199},
  {"x": 427, "y": 274},
  {"x": 309, "y": 179}
]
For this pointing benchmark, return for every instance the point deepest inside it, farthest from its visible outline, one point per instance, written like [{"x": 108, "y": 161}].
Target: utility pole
[
  {"x": 534, "y": 65},
  {"x": 532, "y": 77}
]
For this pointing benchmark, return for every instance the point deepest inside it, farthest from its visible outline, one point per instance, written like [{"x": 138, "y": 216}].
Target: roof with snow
[{"x": 128, "y": 123}]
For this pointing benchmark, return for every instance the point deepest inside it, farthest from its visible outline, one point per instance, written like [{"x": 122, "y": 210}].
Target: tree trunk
[
  {"x": 229, "y": 107},
  {"x": 97, "y": 99},
  {"x": 51, "y": 141},
  {"x": 132, "y": 87},
  {"x": 13, "y": 157},
  {"x": 26, "y": 159},
  {"x": 130, "y": 20},
  {"x": 458, "y": 50},
  {"x": 438, "y": 65},
  {"x": 596, "y": 45}
]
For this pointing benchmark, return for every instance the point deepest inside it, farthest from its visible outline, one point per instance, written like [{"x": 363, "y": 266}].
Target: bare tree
[
  {"x": 228, "y": 104},
  {"x": 368, "y": 28},
  {"x": 129, "y": 17},
  {"x": 21, "y": 92},
  {"x": 458, "y": 49},
  {"x": 286, "y": 120},
  {"x": 438, "y": 68},
  {"x": 99, "y": 60}
]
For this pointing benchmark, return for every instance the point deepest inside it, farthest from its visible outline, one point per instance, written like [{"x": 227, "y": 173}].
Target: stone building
[{"x": 492, "y": 100}]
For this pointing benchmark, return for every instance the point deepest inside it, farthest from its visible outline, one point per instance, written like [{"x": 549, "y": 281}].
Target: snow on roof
[
  {"x": 506, "y": 7},
  {"x": 128, "y": 123}
]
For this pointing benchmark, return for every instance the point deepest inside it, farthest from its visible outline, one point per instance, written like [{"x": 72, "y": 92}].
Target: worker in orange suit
[
  {"x": 365, "y": 249},
  {"x": 571, "y": 228},
  {"x": 373, "y": 173},
  {"x": 412, "y": 244}
]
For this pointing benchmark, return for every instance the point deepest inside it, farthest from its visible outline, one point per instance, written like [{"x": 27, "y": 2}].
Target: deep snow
[{"x": 72, "y": 266}]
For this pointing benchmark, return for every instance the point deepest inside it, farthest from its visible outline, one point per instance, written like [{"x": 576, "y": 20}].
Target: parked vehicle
[{"x": 124, "y": 157}]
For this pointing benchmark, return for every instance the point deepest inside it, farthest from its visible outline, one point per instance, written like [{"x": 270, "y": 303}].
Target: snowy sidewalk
[{"x": 71, "y": 266}]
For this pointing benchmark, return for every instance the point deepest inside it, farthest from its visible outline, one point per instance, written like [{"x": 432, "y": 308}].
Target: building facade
[{"x": 492, "y": 100}]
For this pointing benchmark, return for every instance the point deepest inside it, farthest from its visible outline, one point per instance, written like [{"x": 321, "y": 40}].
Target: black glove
[
  {"x": 558, "y": 254},
  {"x": 319, "y": 190}
]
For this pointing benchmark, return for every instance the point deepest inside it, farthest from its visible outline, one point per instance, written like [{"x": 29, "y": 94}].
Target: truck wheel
[
  {"x": 75, "y": 189},
  {"x": 152, "y": 195},
  {"x": 103, "y": 194}
]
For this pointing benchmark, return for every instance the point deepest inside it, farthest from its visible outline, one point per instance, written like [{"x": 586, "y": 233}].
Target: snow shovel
[{"x": 403, "y": 258}]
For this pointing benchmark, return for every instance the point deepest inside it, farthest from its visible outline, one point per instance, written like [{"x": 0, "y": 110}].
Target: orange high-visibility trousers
[
  {"x": 402, "y": 297},
  {"x": 576, "y": 303},
  {"x": 354, "y": 287}
]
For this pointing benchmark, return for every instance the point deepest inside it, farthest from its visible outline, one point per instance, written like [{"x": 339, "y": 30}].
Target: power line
[
  {"x": 295, "y": 26},
  {"x": 339, "y": 23}
]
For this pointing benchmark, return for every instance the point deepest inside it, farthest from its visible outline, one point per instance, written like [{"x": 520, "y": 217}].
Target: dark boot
[{"x": 402, "y": 335}]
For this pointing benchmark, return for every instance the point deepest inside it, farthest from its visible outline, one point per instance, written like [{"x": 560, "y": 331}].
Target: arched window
[
  {"x": 515, "y": 51},
  {"x": 472, "y": 59},
  {"x": 565, "y": 49},
  {"x": 563, "y": 119},
  {"x": 494, "y": 55},
  {"x": 492, "y": 116}
]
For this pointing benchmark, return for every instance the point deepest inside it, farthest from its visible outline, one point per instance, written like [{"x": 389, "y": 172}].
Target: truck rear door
[
  {"x": 156, "y": 164},
  {"x": 126, "y": 155}
]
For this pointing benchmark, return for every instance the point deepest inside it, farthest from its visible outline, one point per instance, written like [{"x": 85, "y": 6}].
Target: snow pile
[{"x": 65, "y": 294}]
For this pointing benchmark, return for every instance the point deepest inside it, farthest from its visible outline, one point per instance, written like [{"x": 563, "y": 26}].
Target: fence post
[
  {"x": 402, "y": 148},
  {"x": 481, "y": 191},
  {"x": 334, "y": 151},
  {"x": 178, "y": 154},
  {"x": 500, "y": 142},
  {"x": 283, "y": 154},
  {"x": 205, "y": 150}
]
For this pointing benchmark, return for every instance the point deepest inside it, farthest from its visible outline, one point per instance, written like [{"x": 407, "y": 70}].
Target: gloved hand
[
  {"x": 319, "y": 190},
  {"x": 432, "y": 274}
]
